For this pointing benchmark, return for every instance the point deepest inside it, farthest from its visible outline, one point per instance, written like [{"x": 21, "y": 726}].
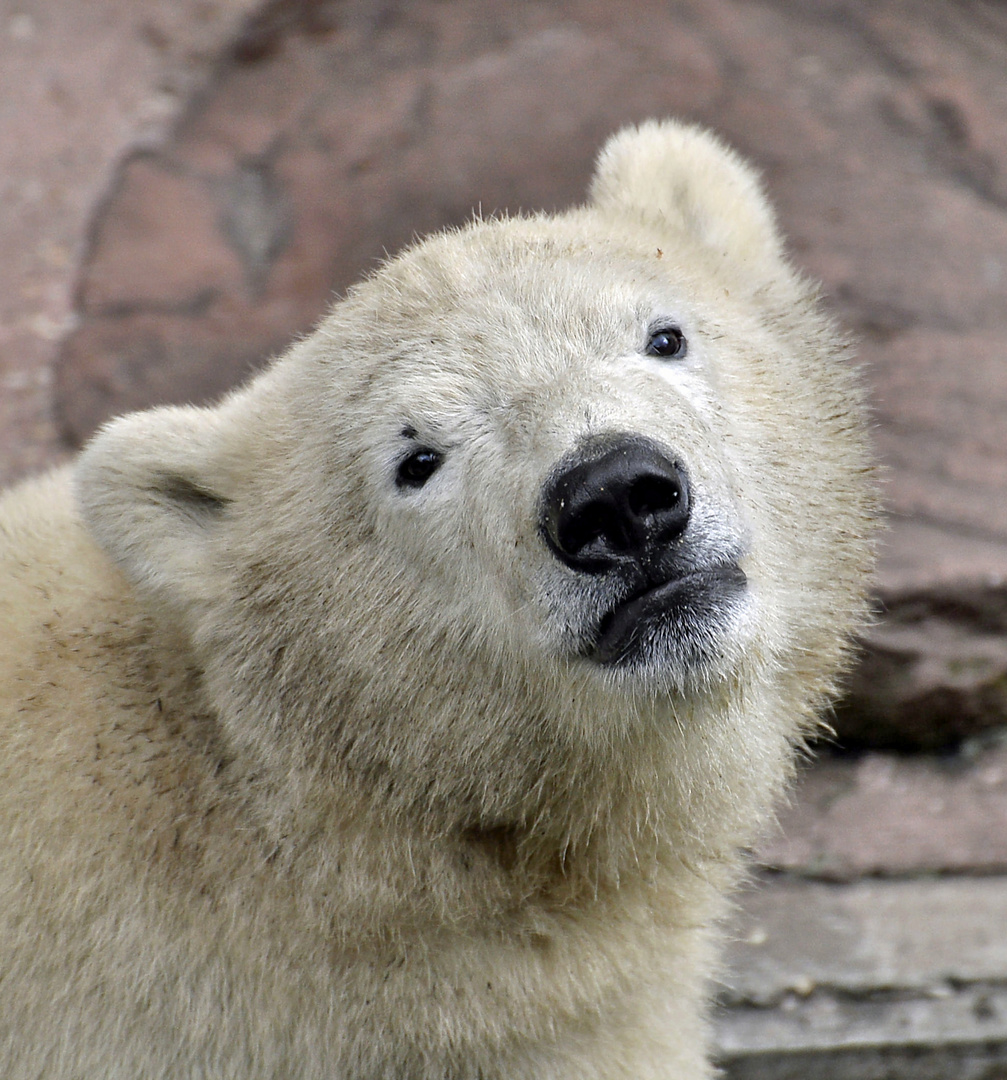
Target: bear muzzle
[{"x": 620, "y": 507}]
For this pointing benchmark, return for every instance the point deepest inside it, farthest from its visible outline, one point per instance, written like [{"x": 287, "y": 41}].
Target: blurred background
[{"x": 185, "y": 184}]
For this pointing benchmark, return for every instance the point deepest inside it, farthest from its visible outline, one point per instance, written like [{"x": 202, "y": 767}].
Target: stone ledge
[
  {"x": 970, "y": 1015},
  {"x": 868, "y": 981},
  {"x": 974, "y": 1061}
]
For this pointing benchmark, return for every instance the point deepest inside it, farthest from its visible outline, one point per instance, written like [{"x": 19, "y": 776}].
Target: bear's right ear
[
  {"x": 152, "y": 490},
  {"x": 678, "y": 178}
]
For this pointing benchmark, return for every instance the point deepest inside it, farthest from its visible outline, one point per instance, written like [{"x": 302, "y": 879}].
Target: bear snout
[
  {"x": 618, "y": 510},
  {"x": 617, "y": 502}
]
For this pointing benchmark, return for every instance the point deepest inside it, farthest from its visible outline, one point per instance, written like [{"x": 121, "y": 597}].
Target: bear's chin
[{"x": 677, "y": 625}]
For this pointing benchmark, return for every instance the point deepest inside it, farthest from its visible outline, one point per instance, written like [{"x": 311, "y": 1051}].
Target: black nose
[{"x": 620, "y": 500}]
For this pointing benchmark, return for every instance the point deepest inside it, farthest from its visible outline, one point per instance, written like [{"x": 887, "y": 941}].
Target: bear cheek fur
[{"x": 323, "y": 650}]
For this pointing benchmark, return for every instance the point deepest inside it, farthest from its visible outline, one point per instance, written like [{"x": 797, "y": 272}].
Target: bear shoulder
[{"x": 85, "y": 677}]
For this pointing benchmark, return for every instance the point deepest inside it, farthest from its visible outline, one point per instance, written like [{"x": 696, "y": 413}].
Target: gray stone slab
[
  {"x": 969, "y": 1062},
  {"x": 915, "y": 935},
  {"x": 874, "y": 979},
  {"x": 830, "y": 1021}
]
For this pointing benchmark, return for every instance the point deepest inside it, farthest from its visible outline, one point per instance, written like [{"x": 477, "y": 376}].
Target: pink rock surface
[
  {"x": 79, "y": 85},
  {"x": 888, "y": 815},
  {"x": 935, "y": 671}
]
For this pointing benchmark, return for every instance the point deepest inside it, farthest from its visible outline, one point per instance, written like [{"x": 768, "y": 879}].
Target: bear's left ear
[
  {"x": 152, "y": 490},
  {"x": 679, "y": 178}
]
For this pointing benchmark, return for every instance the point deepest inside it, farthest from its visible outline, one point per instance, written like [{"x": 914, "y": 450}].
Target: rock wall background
[{"x": 186, "y": 184}]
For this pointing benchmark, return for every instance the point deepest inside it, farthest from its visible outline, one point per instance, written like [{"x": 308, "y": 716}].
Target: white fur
[{"x": 303, "y": 774}]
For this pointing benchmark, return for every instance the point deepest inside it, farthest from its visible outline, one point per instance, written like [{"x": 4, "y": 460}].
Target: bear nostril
[
  {"x": 660, "y": 504},
  {"x": 592, "y": 527},
  {"x": 652, "y": 494},
  {"x": 617, "y": 501}
]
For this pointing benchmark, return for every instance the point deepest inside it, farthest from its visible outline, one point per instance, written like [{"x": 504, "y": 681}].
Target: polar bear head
[{"x": 540, "y": 494}]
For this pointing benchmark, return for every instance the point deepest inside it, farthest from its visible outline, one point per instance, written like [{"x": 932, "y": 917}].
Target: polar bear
[{"x": 407, "y": 713}]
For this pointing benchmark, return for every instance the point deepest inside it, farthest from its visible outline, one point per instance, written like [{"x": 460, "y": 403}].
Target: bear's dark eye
[
  {"x": 668, "y": 343},
  {"x": 415, "y": 470}
]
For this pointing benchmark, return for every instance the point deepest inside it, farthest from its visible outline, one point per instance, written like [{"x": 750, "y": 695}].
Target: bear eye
[
  {"x": 668, "y": 342},
  {"x": 415, "y": 470}
]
